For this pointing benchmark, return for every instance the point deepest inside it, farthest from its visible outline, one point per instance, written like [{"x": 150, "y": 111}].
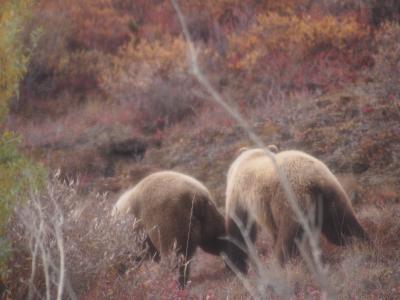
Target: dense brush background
[{"x": 105, "y": 97}]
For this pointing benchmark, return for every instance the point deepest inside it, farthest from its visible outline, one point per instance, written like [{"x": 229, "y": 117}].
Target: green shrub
[{"x": 18, "y": 175}]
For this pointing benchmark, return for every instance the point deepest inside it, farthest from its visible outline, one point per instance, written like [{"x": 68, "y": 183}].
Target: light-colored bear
[{"x": 255, "y": 195}]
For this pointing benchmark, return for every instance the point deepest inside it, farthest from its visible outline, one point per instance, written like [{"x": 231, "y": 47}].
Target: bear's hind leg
[
  {"x": 340, "y": 223},
  {"x": 184, "y": 269},
  {"x": 353, "y": 228},
  {"x": 238, "y": 227},
  {"x": 152, "y": 251},
  {"x": 285, "y": 245},
  {"x": 235, "y": 250}
]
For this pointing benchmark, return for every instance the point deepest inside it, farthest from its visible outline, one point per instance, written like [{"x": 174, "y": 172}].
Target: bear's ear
[
  {"x": 273, "y": 148},
  {"x": 241, "y": 150}
]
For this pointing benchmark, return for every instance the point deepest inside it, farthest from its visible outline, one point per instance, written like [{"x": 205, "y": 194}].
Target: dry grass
[
  {"x": 100, "y": 257},
  {"x": 69, "y": 240}
]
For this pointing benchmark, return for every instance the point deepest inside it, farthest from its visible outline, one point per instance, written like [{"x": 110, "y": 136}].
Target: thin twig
[{"x": 188, "y": 238}]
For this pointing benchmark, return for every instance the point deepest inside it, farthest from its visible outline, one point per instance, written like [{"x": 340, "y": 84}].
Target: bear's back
[
  {"x": 168, "y": 203},
  {"x": 255, "y": 173},
  {"x": 305, "y": 171}
]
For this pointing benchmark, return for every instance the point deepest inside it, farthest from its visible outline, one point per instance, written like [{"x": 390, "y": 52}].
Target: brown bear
[
  {"x": 255, "y": 195},
  {"x": 175, "y": 210}
]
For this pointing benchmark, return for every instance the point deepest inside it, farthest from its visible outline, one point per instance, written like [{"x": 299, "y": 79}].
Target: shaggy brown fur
[
  {"x": 255, "y": 195},
  {"x": 175, "y": 208}
]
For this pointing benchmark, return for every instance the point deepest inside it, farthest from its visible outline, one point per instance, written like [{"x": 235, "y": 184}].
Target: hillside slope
[{"x": 108, "y": 99}]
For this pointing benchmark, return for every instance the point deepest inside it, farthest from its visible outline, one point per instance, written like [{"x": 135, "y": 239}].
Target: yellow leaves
[
  {"x": 337, "y": 32},
  {"x": 286, "y": 6},
  {"x": 139, "y": 63},
  {"x": 160, "y": 54},
  {"x": 291, "y": 34}
]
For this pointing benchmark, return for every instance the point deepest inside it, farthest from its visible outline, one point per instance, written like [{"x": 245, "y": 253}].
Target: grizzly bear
[
  {"x": 175, "y": 211},
  {"x": 255, "y": 195}
]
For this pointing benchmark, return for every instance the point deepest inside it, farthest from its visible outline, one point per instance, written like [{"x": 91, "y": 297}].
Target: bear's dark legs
[
  {"x": 340, "y": 223},
  {"x": 253, "y": 232},
  {"x": 351, "y": 226},
  {"x": 147, "y": 251},
  {"x": 152, "y": 251},
  {"x": 236, "y": 250},
  {"x": 285, "y": 245},
  {"x": 184, "y": 269},
  {"x": 237, "y": 228},
  {"x": 214, "y": 246}
]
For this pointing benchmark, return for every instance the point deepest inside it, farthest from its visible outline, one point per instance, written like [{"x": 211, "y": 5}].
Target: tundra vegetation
[
  {"x": 18, "y": 174},
  {"x": 101, "y": 93}
]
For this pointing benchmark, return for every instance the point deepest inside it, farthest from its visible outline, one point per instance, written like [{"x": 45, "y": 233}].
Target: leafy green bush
[
  {"x": 13, "y": 58},
  {"x": 18, "y": 175}
]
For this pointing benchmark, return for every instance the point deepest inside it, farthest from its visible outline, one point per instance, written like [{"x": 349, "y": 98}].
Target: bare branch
[{"x": 43, "y": 221}]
